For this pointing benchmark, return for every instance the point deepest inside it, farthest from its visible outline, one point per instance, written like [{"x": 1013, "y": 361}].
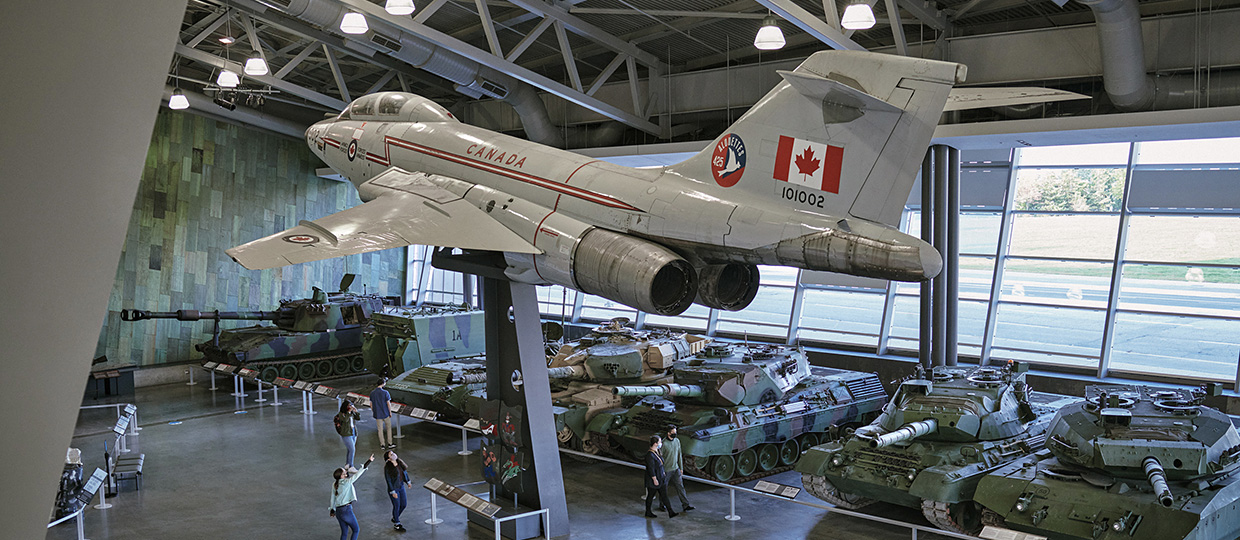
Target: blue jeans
[
  {"x": 350, "y": 447},
  {"x": 398, "y": 504},
  {"x": 344, "y": 515}
]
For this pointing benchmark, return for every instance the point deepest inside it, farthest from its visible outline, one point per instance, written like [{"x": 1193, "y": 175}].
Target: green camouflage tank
[
  {"x": 741, "y": 412},
  {"x": 934, "y": 441},
  {"x": 314, "y": 338},
  {"x": 1128, "y": 462},
  {"x": 584, "y": 373},
  {"x": 402, "y": 339}
]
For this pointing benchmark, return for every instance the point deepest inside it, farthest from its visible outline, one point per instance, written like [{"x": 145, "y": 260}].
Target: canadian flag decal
[{"x": 809, "y": 164}]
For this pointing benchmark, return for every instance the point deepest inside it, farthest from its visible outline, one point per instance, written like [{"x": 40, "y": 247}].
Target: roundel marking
[
  {"x": 727, "y": 163},
  {"x": 352, "y": 149},
  {"x": 301, "y": 239}
]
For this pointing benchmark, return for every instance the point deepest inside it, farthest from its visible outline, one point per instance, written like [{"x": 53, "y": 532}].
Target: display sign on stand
[
  {"x": 326, "y": 391},
  {"x": 991, "y": 532},
  {"x": 304, "y": 386},
  {"x": 461, "y": 497},
  {"x": 247, "y": 373},
  {"x": 210, "y": 365},
  {"x": 282, "y": 382},
  {"x": 122, "y": 424},
  {"x": 779, "y": 490},
  {"x": 357, "y": 399},
  {"x": 89, "y": 490}
]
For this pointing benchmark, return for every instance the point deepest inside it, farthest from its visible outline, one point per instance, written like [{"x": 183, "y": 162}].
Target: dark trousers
[
  {"x": 344, "y": 515},
  {"x": 662, "y": 492},
  {"x": 398, "y": 504}
]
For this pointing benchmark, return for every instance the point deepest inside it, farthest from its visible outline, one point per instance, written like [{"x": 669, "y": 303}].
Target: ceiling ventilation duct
[{"x": 471, "y": 78}]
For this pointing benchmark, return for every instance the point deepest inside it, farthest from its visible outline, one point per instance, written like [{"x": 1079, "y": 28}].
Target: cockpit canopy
[{"x": 395, "y": 107}]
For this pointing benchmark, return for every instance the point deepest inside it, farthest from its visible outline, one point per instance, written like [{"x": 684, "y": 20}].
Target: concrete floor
[{"x": 266, "y": 474}]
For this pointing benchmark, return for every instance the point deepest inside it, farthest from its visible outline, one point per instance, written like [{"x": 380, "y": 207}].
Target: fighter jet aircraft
[{"x": 813, "y": 176}]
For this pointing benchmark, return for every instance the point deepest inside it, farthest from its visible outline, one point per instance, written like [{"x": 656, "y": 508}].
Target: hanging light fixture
[
  {"x": 858, "y": 16},
  {"x": 769, "y": 37},
  {"x": 228, "y": 79},
  {"x": 354, "y": 23},
  {"x": 178, "y": 100},
  {"x": 256, "y": 65},
  {"x": 399, "y": 7}
]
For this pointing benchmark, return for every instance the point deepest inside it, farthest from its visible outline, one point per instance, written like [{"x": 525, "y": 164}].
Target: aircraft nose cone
[{"x": 931, "y": 261}]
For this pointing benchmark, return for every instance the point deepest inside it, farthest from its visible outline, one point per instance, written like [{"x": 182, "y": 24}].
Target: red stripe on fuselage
[{"x": 527, "y": 178}]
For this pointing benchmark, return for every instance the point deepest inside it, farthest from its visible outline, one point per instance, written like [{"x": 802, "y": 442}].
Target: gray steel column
[
  {"x": 951, "y": 256},
  {"x": 924, "y": 334},
  {"x": 514, "y": 345},
  {"x": 1117, "y": 269},
  {"x": 938, "y": 306}
]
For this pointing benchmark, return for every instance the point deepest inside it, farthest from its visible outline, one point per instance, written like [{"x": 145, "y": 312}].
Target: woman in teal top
[{"x": 342, "y": 500}]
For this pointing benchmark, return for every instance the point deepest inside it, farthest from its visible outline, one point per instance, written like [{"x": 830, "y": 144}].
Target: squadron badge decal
[{"x": 727, "y": 164}]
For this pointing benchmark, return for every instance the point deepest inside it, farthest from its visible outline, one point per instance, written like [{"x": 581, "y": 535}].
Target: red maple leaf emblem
[{"x": 806, "y": 164}]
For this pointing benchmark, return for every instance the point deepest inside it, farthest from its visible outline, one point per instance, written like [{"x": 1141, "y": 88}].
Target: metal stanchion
[
  {"x": 307, "y": 403},
  {"x": 120, "y": 441},
  {"x": 732, "y": 513},
  {"x": 213, "y": 387},
  {"x": 434, "y": 520},
  {"x": 275, "y": 397},
  {"x": 260, "y": 399},
  {"x": 81, "y": 528},
  {"x": 191, "y": 378},
  {"x": 396, "y": 419},
  {"x": 464, "y": 444},
  {"x": 133, "y": 423}
]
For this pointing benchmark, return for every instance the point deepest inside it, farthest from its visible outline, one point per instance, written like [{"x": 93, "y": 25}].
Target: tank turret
[
  {"x": 403, "y": 338},
  {"x": 933, "y": 442},
  {"x": 741, "y": 412},
  {"x": 313, "y": 338},
  {"x": 1131, "y": 462}
]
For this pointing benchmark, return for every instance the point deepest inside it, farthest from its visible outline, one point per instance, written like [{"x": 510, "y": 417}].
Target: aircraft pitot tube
[
  {"x": 665, "y": 390},
  {"x": 906, "y": 433}
]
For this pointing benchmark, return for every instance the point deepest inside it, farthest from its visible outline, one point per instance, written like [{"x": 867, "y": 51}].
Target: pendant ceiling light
[
  {"x": 178, "y": 100},
  {"x": 354, "y": 23},
  {"x": 399, "y": 7},
  {"x": 858, "y": 16},
  {"x": 256, "y": 65},
  {"x": 228, "y": 79},
  {"x": 769, "y": 37}
]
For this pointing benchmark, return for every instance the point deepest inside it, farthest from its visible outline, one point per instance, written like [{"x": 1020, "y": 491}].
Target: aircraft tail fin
[{"x": 845, "y": 131}]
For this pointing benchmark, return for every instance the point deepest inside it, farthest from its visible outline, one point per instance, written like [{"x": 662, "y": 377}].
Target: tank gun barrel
[
  {"x": 470, "y": 378},
  {"x": 907, "y": 432},
  {"x": 196, "y": 315},
  {"x": 566, "y": 372},
  {"x": 1158, "y": 480},
  {"x": 667, "y": 390}
]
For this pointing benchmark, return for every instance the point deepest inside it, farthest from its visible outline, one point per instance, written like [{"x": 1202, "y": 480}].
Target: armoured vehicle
[
  {"x": 1128, "y": 462},
  {"x": 933, "y": 442},
  {"x": 401, "y": 339},
  {"x": 742, "y": 412},
  {"x": 314, "y": 338},
  {"x": 583, "y": 373}
]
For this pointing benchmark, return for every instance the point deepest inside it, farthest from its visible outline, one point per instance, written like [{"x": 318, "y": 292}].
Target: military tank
[
  {"x": 583, "y": 373},
  {"x": 933, "y": 442},
  {"x": 314, "y": 338},
  {"x": 742, "y": 412},
  {"x": 1128, "y": 462}
]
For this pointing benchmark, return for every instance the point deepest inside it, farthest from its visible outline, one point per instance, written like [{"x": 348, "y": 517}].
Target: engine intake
[{"x": 635, "y": 272}]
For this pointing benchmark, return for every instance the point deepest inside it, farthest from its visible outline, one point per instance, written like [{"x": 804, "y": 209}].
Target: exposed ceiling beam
[
  {"x": 292, "y": 64},
  {"x": 382, "y": 81},
  {"x": 528, "y": 40},
  {"x": 831, "y": 13},
  {"x": 498, "y": 63},
  {"x": 925, "y": 12},
  {"x": 810, "y": 24},
  {"x": 585, "y": 29},
  {"x": 606, "y": 74},
  {"x": 668, "y": 13},
  {"x": 340, "y": 84},
  {"x": 488, "y": 28},
  {"x": 567, "y": 51},
  {"x": 897, "y": 29},
  {"x": 284, "y": 86},
  {"x": 429, "y": 10},
  {"x": 209, "y": 28}
]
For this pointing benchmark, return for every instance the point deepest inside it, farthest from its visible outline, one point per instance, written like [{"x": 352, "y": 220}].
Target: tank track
[
  {"x": 258, "y": 366},
  {"x": 818, "y": 486},
  {"x": 939, "y": 514},
  {"x": 689, "y": 468}
]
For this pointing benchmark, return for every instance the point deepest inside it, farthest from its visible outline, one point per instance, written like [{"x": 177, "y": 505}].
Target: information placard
[
  {"x": 474, "y": 424},
  {"x": 357, "y": 399},
  {"x": 210, "y": 365},
  {"x": 282, "y": 382},
  {"x": 302, "y": 385},
  {"x": 122, "y": 424},
  {"x": 247, "y": 373},
  {"x": 326, "y": 391},
  {"x": 89, "y": 490},
  {"x": 130, "y": 409},
  {"x": 423, "y": 414},
  {"x": 779, "y": 490},
  {"x": 998, "y": 533},
  {"x": 225, "y": 368},
  {"x": 461, "y": 497}
]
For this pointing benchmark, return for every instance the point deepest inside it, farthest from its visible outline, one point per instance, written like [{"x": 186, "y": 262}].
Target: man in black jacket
[{"x": 656, "y": 478}]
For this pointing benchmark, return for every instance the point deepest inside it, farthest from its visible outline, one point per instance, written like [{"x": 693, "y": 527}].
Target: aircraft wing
[
  {"x": 406, "y": 211},
  {"x": 979, "y": 98}
]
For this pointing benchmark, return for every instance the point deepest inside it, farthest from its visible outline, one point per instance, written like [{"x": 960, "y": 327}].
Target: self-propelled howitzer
[
  {"x": 741, "y": 412},
  {"x": 1128, "y": 462},
  {"x": 313, "y": 338},
  {"x": 932, "y": 443}
]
